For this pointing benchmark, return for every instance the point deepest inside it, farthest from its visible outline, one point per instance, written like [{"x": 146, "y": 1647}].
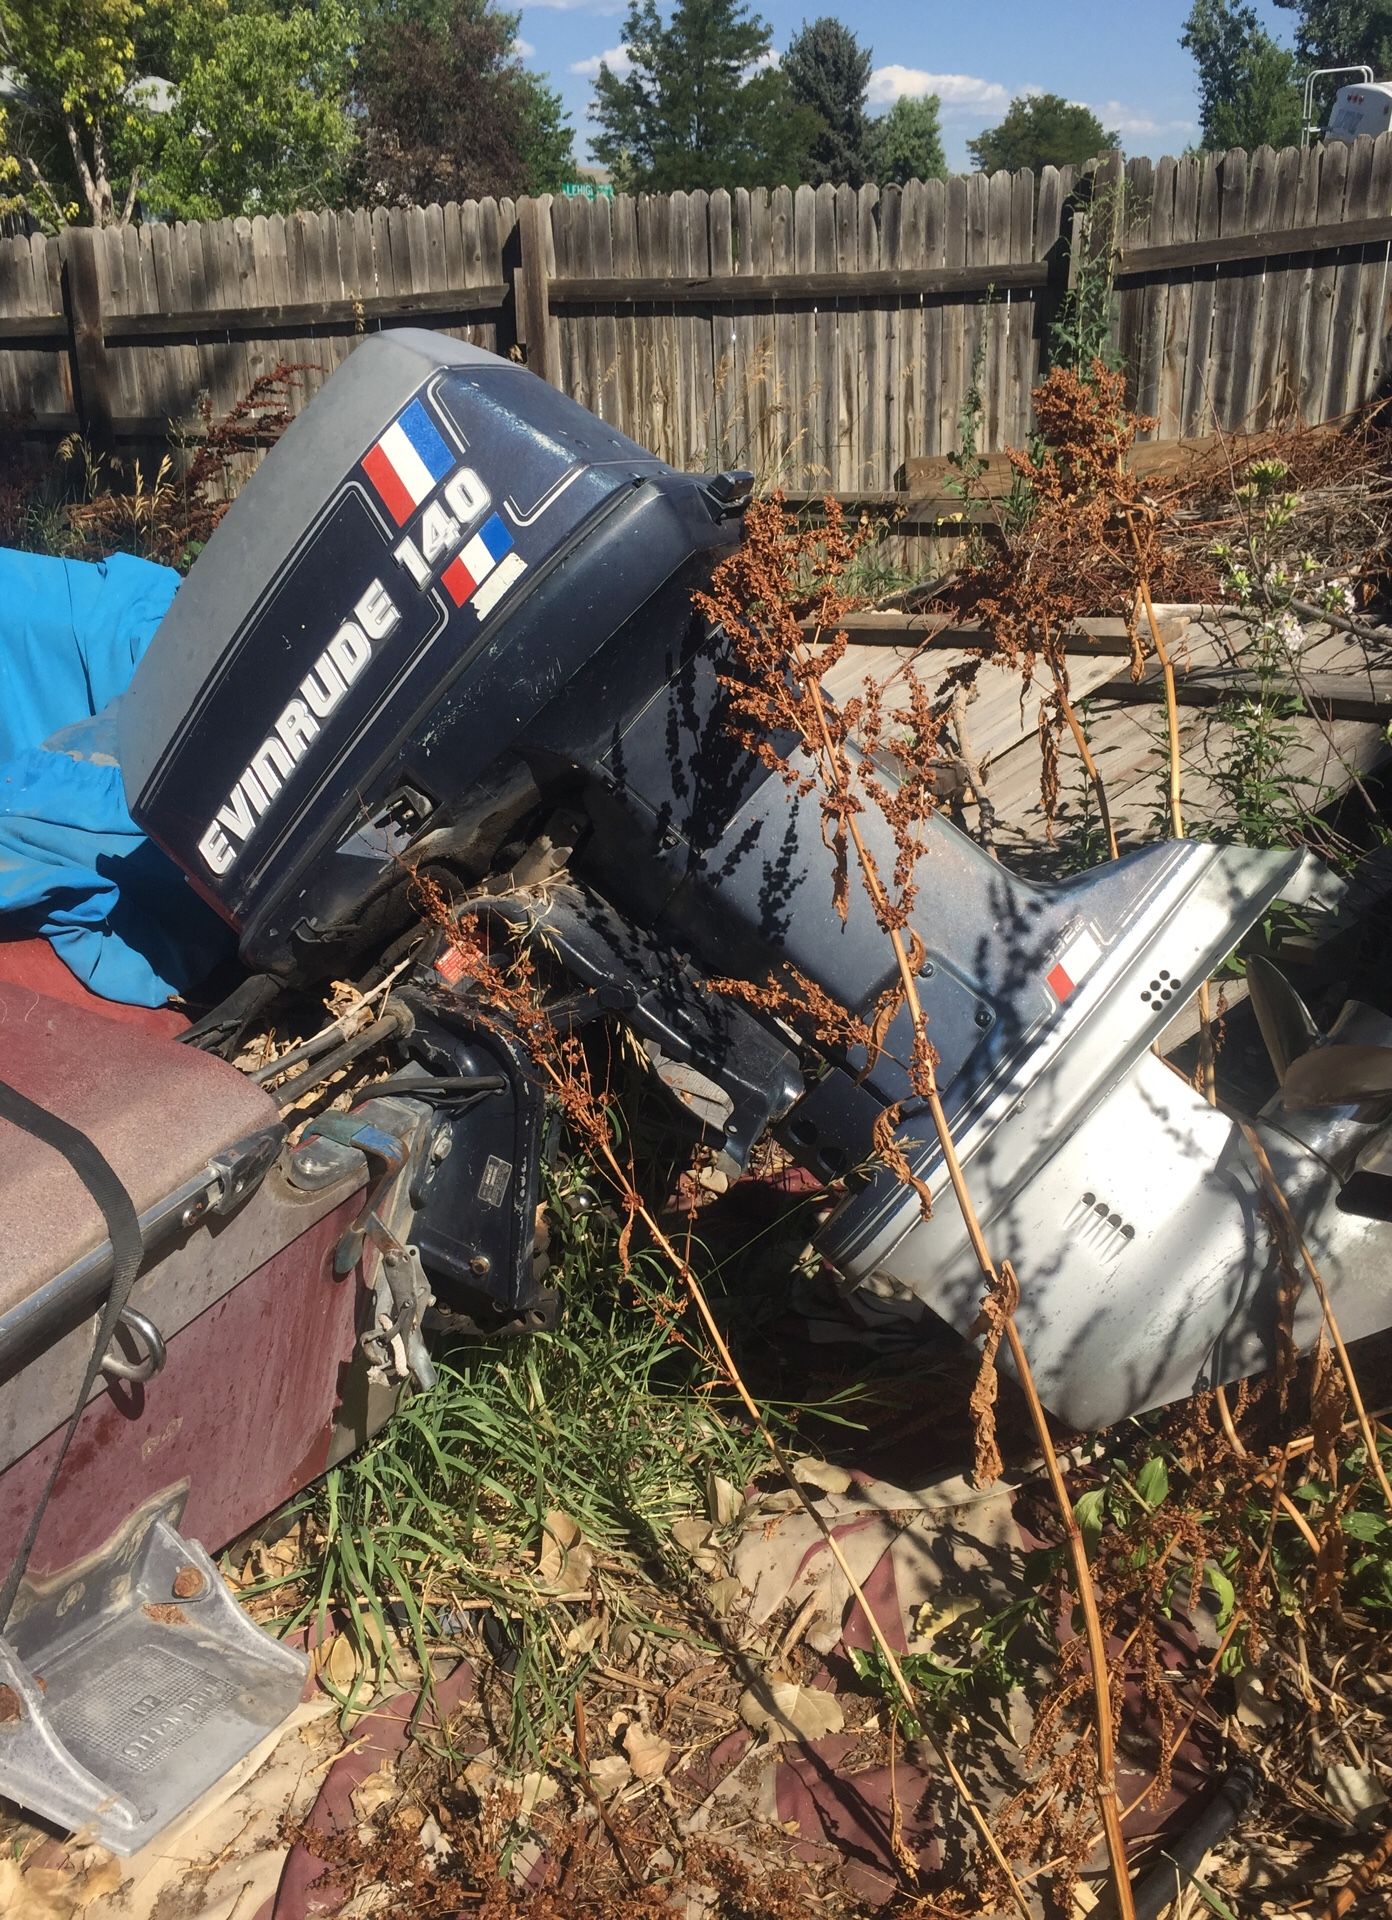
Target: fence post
[
  {"x": 82, "y": 299},
  {"x": 536, "y": 324}
]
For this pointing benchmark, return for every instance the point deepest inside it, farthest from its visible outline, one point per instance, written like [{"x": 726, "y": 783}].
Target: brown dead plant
[{"x": 780, "y": 599}]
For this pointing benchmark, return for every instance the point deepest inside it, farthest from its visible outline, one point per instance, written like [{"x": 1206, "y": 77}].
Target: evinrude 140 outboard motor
[{"x": 448, "y": 625}]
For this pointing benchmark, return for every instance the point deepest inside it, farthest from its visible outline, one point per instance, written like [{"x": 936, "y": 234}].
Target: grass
[{"x": 607, "y": 1421}]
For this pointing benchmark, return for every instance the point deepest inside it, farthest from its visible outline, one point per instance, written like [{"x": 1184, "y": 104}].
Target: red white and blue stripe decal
[
  {"x": 485, "y": 569},
  {"x": 408, "y": 462}
]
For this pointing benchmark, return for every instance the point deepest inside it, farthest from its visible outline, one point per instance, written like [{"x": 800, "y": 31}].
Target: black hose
[
  {"x": 1166, "y": 1879},
  {"x": 394, "y": 1024}
]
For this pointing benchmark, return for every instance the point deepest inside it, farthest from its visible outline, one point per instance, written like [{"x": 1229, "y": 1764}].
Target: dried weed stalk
[{"x": 779, "y": 599}]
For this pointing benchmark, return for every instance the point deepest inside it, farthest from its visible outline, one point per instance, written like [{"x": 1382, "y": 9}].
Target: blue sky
[{"x": 1120, "y": 56}]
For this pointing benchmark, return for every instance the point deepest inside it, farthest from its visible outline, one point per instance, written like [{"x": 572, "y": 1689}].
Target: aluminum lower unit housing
[{"x": 1129, "y": 1207}]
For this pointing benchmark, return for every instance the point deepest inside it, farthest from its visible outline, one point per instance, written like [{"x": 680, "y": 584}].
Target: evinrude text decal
[{"x": 274, "y": 762}]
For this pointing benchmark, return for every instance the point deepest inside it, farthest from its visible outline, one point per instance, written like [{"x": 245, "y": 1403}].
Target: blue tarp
[{"x": 73, "y": 864}]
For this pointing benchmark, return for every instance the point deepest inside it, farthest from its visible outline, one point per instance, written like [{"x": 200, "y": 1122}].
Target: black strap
[{"x": 127, "y": 1250}]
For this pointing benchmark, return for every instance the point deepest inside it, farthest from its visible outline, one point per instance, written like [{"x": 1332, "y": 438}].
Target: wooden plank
[
  {"x": 1250, "y": 301},
  {"x": 799, "y": 286},
  {"x": 625, "y": 243},
  {"x": 307, "y": 317},
  {"x": 1300, "y": 285},
  {"x": 1197, "y": 411},
  {"x": 720, "y": 228},
  {"x": 1342, "y": 365},
  {"x": 1129, "y": 308},
  {"x": 1369, "y": 358},
  {"x": 236, "y": 270},
  {"x": 872, "y": 462},
  {"x": 536, "y": 320},
  {"x": 1314, "y": 237},
  {"x": 1270, "y": 334},
  {"x": 1334, "y": 165},
  {"x": 955, "y": 329},
  {"x": 602, "y": 255},
  {"x": 763, "y": 398},
  {"x": 697, "y": 332},
  {"x": 651, "y": 425},
  {"x": 1339, "y": 696},
  {"x": 810, "y": 469},
  {"x": 51, "y": 381},
  {"x": 996, "y": 315},
  {"x": 92, "y": 373},
  {"x": 824, "y": 356},
  {"x": 976, "y": 340},
  {"x": 1227, "y": 287},
  {"x": 480, "y": 240},
  {"x": 845, "y": 343},
  {"x": 1154, "y": 296},
  {"x": 1021, "y": 313}
]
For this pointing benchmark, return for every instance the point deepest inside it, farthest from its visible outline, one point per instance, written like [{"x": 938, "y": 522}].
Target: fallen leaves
[
  {"x": 648, "y": 1753},
  {"x": 791, "y": 1710},
  {"x": 565, "y": 1560}
]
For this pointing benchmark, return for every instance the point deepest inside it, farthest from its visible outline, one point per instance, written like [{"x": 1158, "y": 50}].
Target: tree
[
  {"x": 1336, "y": 33},
  {"x": 257, "y": 122},
  {"x": 177, "y": 106},
  {"x": 906, "y": 143},
  {"x": 1248, "y": 95},
  {"x": 1042, "y": 130},
  {"x": 828, "y": 73},
  {"x": 448, "y": 111},
  {"x": 700, "y": 105},
  {"x": 73, "y": 63}
]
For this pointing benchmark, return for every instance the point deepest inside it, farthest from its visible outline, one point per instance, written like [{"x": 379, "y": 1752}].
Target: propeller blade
[
  {"x": 1338, "y": 1076},
  {"x": 1286, "y": 1024}
]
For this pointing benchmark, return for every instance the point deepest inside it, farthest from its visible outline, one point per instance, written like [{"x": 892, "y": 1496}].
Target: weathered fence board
[{"x": 826, "y": 338}]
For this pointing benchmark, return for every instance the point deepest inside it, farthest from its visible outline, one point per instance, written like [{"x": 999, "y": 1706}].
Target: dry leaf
[
  {"x": 1357, "y": 1792},
  {"x": 721, "y": 1595},
  {"x": 1254, "y": 1709},
  {"x": 433, "y": 1842},
  {"x": 534, "y": 1790},
  {"x": 691, "y": 1535},
  {"x": 40, "y": 1893},
  {"x": 481, "y": 1771},
  {"x": 821, "y": 1473},
  {"x": 339, "y": 1664},
  {"x": 584, "y": 1635},
  {"x": 724, "y": 1501},
  {"x": 565, "y": 1562},
  {"x": 376, "y": 1791},
  {"x": 648, "y": 1753},
  {"x": 787, "y": 1710},
  {"x": 935, "y": 1617},
  {"x": 609, "y": 1775}
]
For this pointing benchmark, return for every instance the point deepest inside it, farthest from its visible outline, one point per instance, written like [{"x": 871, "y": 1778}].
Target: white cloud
[
  {"x": 618, "y": 60},
  {"x": 523, "y": 49},
  {"x": 1135, "y": 125},
  {"x": 960, "y": 91}
]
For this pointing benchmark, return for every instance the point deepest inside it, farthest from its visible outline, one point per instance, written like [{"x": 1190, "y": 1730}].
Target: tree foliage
[
  {"x": 1042, "y": 130},
  {"x": 1248, "y": 91},
  {"x": 185, "y": 107},
  {"x": 906, "y": 143},
  {"x": 701, "y": 105},
  {"x": 257, "y": 122},
  {"x": 75, "y": 65},
  {"x": 1335, "y": 33},
  {"x": 448, "y": 111},
  {"x": 828, "y": 73}
]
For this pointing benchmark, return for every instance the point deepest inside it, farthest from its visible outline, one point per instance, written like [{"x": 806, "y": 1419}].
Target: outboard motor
[{"x": 448, "y": 626}]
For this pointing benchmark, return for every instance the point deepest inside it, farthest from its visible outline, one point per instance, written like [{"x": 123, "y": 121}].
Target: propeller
[
  {"x": 1313, "y": 1071},
  {"x": 1338, "y": 1075}
]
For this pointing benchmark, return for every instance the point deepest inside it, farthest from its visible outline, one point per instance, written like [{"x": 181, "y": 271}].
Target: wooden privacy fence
[{"x": 826, "y": 338}]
